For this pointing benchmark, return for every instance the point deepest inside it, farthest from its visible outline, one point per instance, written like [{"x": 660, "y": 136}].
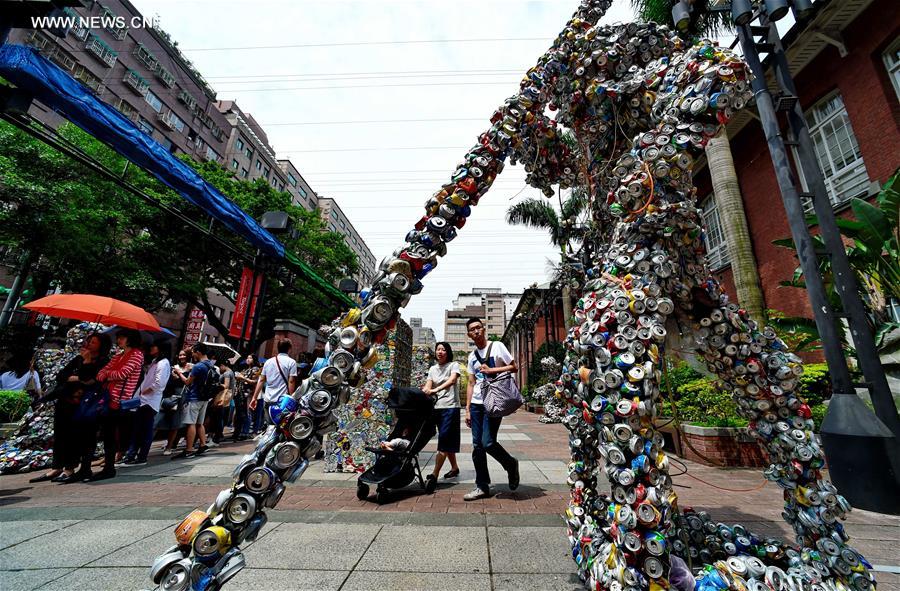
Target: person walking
[
  {"x": 71, "y": 382},
  {"x": 488, "y": 359},
  {"x": 151, "y": 391},
  {"x": 442, "y": 385},
  {"x": 278, "y": 377},
  {"x": 169, "y": 420},
  {"x": 196, "y": 401},
  {"x": 120, "y": 378},
  {"x": 253, "y": 420}
]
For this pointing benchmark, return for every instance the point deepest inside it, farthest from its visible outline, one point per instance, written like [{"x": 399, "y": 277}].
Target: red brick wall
[
  {"x": 722, "y": 451},
  {"x": 875, "y": 116}
]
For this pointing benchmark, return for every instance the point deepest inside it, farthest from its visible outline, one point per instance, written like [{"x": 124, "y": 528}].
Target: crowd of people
[{"x": 129, "y": 399}]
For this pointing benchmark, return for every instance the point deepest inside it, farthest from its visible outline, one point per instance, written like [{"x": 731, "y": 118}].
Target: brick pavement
[{"x": 543, "y": 454}]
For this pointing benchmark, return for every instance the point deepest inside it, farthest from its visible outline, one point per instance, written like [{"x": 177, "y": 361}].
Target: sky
[{"x": 338, "y": 102}]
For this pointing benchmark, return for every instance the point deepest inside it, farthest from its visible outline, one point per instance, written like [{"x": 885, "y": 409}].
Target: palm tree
[
  {"x": 563, "y": 228},
  {"x": 730, "y": 206},
  {"x": 704, "y": 22}
]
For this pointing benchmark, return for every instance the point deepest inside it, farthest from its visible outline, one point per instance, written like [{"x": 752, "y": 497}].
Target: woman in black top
[{"x": 80, "y": 373}]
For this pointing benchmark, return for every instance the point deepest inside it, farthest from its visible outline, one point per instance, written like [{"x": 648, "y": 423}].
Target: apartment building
[
  {"x": 491, "y": 304},
  {"x": 140, "y": 72},
  {"x": 336, "y": 221},
  {"x": 422, "y": 336},
  {"x": 250, "y": 156}
]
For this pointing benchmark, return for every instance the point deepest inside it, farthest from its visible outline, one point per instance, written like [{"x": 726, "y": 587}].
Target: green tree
[
  {"x": 562, "y": 226},
  {"x": 91, "y": 235},
  {"x": 703, "y": 22}
]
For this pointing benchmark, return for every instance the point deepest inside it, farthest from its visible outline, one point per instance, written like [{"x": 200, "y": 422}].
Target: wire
[
  {"x": 375, "y": 149},
  {"x": 386, "y": 73},
  {"x": 340, "y": 78},
  {"x": 366, "y": 43},
  {"x": 442, "y": 120}
]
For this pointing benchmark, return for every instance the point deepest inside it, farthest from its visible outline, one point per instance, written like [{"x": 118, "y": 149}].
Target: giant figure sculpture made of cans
[{"x": 641, "y": 105}]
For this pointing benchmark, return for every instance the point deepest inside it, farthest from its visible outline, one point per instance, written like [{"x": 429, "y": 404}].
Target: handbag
[
  {"x": 169, "y": 404},
  {"x": 93, "y": 406},
  {"x": 500, "y": 393}
]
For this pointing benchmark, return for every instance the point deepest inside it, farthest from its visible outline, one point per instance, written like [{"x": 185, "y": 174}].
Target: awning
[
  {"x": 29, "y": 71},
  {"x": 53, "y": 87}
]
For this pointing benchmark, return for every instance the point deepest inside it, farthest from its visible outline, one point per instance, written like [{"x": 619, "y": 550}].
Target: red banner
[{"x": 243, "y": 303}]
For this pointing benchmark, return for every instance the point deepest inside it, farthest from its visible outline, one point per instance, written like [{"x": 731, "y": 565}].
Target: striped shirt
[{"x": 123, "y": 369}]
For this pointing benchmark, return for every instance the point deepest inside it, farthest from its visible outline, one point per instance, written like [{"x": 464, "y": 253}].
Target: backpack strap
[{"x": 486, "y": 354}]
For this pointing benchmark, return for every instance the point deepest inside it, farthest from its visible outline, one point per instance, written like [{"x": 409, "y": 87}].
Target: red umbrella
[{"x": 92, "y": 308}]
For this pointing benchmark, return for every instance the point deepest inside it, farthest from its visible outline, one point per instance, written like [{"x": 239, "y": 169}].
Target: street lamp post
[{"x": 861, "y": 448}]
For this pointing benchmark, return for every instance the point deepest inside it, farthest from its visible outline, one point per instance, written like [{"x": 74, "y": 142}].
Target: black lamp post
[{"x": 861, "y": 448}]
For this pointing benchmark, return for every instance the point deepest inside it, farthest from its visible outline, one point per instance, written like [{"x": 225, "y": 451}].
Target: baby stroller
[{"x": 396, "y": 469}]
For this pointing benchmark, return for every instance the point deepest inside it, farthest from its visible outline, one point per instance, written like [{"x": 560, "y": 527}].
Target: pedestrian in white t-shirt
[
  {"x": 488, "y": 359},
  {"x": 279, "y": 376},
  {"x": 442, "y": 385}
]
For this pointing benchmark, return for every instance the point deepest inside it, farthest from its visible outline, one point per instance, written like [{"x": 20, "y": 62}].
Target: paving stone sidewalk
[{"x": 105, "y": 535}]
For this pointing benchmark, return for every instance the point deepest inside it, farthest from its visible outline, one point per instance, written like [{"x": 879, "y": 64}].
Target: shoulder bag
[{"x": 500, "y": 392}]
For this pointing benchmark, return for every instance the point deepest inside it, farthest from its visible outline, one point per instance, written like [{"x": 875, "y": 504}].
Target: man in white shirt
[
  {"x": 488, "y": 359},
  {"x": 279, "y": 377}
]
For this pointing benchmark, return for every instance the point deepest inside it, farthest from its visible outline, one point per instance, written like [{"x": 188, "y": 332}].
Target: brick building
[{"x": 846, "y": 65}]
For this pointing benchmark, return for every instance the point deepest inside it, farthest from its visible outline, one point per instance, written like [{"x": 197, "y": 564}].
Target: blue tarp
[{"x": 28, "y": 70}]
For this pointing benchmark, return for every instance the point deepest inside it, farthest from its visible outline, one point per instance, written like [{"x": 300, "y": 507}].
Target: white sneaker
[
  {"x": 167, "y": 452},
  {"x": 475, "y": 495},
  {"x": 211, "y": 444}
]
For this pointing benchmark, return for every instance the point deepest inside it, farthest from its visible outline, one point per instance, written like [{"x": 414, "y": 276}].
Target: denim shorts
[{"x": 447, "y": 421}]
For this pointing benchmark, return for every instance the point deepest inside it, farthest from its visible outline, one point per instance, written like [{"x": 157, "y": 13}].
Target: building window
[
  {"x": 258, "y": 165},
  {"x": 126, "y": 109},
  {"x": 146, "y": 57},
  {"x": 136, "y": 82},
  {"x": 292, "y": 180},
  {"x": 248, "y": 153},
  {"x": 837, "y": 151},
  {"x": 892, "y": 63},
  {"x": 167, "y": 77},
  {"x": 239, "y": 144},
  {"x": 153, "y": 101},
  {"x": 235, "y": 164},
  {"x": 96, "y": 46},
  {"x": 176, "y": 121},
  {"x": 145, "y": 126},
  {"x": 109, "y": 23},
  {"x": 714, "y": 237},
  {"x": 333, "y": 229},
  {"x": 302, "y": 192},
  {"x": 167, "y": 143},
  {"x": 334, "y": 215},
  {"x": 266, "y": 172},
  {"x": 244, "y": 173},
  {"x": 211, "y": 154},
  {"x": 84, "y": 75}
]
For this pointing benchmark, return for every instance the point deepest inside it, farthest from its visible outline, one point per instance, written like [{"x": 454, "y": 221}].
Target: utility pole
[{"x": 861, "y": 448}]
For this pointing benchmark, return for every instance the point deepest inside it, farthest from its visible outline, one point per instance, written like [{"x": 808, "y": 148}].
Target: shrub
[
  {"x": 680, "y": 373},
  {"x": 701, "y": 402},
  {"x": 13, "y": 404},
  {"x": 818, "y": 415},
  {"x": 815, "y": 384}
]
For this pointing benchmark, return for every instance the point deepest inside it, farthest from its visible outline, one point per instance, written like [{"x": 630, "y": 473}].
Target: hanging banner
[{"x": 243, "y": 303}]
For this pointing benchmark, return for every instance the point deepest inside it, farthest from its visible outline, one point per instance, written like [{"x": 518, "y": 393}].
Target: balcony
[
  {"x": 126, "y": 109},
  {"x": 165, "y": 76},
  {"x": 169, "y": 120},
  {"x": 189, "y": 101},
  {"x": 136, "y": 82},
  {"x": 144, "y": 56},
  {"x": 99, "y": 49}
]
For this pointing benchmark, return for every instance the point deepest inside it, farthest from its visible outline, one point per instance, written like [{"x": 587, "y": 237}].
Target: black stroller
[{"x": 396, "y": 469}]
